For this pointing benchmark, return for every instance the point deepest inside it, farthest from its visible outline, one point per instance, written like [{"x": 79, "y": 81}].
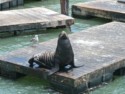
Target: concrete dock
[
  {"x": 7, "y": 4},
  {"x": 109, "y": 9},
  {"x": 101, "y": 49},
  {"x": 32, "y": 18}
]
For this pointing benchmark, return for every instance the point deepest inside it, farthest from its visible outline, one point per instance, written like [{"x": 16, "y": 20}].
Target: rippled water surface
[
  {"x": 115, "y": 87},
  {"x": 32, "y": 85}
]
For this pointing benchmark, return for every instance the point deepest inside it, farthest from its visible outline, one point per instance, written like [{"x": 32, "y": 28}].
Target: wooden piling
[
  {"x": 65, "y": 10},
  {"x": 64, "y": 7}
]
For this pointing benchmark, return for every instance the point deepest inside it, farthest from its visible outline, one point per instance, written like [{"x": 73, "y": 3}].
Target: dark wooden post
[
  {"x": 65, "y": 10},
  {"x": 64, "y": 7},
  {"x": 15, "y": 33}
]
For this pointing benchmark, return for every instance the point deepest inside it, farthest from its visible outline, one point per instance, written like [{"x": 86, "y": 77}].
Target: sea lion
[
  {"x": 45, "y": 60},
  {"x": 57, "y": 61},
  {"x": 64, "y": 54}
]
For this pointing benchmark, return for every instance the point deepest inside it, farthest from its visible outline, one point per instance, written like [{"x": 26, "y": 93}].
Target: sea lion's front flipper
[{"x": 54, "y": 69}]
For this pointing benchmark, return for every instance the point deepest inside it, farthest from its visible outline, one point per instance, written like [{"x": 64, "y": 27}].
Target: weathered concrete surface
[
  {"x": 110, "y": 9},
  {"x": 6, "y": 4},
  {"x": 101, "y": 49},
  {"x": 32, "y": 18}
]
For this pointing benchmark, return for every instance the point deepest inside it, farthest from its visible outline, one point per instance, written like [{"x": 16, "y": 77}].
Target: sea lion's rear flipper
[
  {"x": 74, "y": 66},
  {"x": 41, "y": 64},
  {"x": 78, "y": 66},
  {"x": 54, "y": 69},
  {"x": 31, "y": 60}
]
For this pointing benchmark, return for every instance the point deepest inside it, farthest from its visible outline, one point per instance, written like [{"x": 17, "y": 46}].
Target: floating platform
[
  {"x": 7, "y": 4},
  {"x": 32, "y": 18},
  {"x": 109, "y": 9},
  {"x": 101, "y": 49}
]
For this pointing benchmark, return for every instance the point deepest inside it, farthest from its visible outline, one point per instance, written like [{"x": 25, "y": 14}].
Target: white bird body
[{"x": 35, "y": 39}]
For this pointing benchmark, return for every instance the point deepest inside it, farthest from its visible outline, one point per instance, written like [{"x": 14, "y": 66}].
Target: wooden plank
[
  {"x": 101, "y": 49},
  {"x": 122, "y": 1},
  {"x": 32, "y": 18},
  {"x": 7, "y": 4},
  {"x": 110, "y": 9},
  {"x": 4, "y": 4},
  {"x": 3, "y": 1},
  {"x": 20, "y": 2},
  {"x": 13, "y": 3}
]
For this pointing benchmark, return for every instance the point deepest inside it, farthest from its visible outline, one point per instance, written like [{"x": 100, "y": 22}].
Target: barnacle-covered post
[{"x": 64, "y": 7}]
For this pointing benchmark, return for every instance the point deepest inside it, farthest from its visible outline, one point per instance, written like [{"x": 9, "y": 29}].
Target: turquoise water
[
  {"x": 115, "y": 87},
  {"x": 32, "y": 85}
]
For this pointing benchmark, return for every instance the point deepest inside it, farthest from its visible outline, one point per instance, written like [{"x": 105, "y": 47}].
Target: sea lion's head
[
  {"x": 63, "y": 35},
  {"x": 63, "y": 42}
]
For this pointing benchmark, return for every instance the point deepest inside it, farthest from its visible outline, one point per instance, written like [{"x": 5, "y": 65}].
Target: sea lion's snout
[{"x": 63, "y": 35}]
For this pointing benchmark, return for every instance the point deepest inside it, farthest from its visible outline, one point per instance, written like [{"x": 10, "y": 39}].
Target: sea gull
[{"x": 35, "y": 39}]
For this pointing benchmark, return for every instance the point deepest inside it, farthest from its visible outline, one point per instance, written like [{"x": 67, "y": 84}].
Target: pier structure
[
  {"x": 32, "y": 19},
  {"x": 109, "y": 9},
  {"x": 7, "y": 4},
  {"x": 100, "y": 49}
]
